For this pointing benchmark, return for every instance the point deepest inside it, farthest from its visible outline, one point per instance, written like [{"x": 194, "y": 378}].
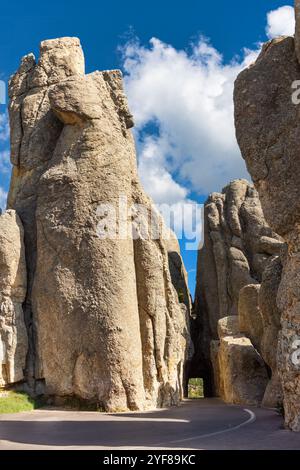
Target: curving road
[{"x": 196, "y": 424}]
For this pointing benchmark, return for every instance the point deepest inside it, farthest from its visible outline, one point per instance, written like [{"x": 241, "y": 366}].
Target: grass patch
[
  {"x": 196, "y": 388},
  {"x": 15, "y": 402}
]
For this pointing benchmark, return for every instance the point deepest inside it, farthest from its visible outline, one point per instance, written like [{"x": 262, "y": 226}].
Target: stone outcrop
[
  {"x": 13, "y": 279},
  {"x": 244, "y": 358},
  {"x": 239, "y": 370},
  {"x": 104, "y": 320},
  {"x": 271, "y": 329},
  {"x": 179, "y": 279},
  {"x": 268, "y": 131},
  {"x": 297, "y": 32},
  {"x": 177, "y": 270},
  {"x": 249, "y": 314},
  {"x": 238, "y": 245}
]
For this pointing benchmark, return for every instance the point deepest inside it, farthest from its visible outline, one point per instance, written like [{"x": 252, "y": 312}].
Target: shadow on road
[{"x": 178, "y": 427}]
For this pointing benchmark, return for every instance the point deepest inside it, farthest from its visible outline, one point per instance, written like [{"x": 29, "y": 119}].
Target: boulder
[
  {"x": 250, "y": 317},
  {"x": 228, "y": 326},
  {"x": 240, "y": 372}
]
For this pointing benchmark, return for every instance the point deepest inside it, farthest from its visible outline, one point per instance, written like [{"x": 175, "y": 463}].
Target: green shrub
[
  {"x": 15, "y": 402},
  {"x": 196, "y": 388}
]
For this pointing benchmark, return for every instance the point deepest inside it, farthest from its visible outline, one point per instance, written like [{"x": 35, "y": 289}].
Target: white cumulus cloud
[
  {"x": 4, "y": 127},
  {"x": 281, "y": 22},
  {"x": 3, "y": 199},
  {"x": 182, "y": 102},
  {"x": 5, "y": 165},
  {"x": 187, "y": 98},
  {"x": 155, "y": 178}
]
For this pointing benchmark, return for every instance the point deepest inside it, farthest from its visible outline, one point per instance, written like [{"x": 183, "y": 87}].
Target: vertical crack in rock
[
  {"x": 89, "y": 299},
  {"x": 164, "y": 322}
]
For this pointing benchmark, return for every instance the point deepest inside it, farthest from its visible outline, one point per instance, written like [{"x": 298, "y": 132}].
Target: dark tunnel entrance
[{"x": 196, "y": 377}]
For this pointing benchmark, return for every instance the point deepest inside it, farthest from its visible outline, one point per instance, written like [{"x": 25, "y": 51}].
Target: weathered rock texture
[
  {"x": 240, "y": 372},
  {"x": 238, "y": 244},
  {"x": 297, "y": 32},
  {"x": 268, "y": 132},
  {"x": 104, "y": 319},
  {"x": 179, "y": 279},
  {"x": 244, "y": 359},
  {"x": 177, "y": 270},
  {"x": 271, "y": 328},
  {"x": 249, "y": 314},
  {"x": 13, "y": 279}
]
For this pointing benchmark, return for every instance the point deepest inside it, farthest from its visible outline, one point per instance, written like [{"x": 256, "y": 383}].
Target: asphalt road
[{"x": 196, "y": 424}]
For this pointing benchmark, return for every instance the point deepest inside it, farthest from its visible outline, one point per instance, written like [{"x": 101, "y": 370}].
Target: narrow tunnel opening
[{"x": 196, "y": 388}]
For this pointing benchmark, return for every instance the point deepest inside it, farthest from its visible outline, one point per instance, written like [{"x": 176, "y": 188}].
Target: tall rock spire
[
  {"x": 268, "y": 131},
  {"x": 103, "y": 318}
]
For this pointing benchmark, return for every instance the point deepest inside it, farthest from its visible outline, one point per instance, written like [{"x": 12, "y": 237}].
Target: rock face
[
  {"x": 13, "y": 279},
  {"x": 177, "y": 270},
  {"x": 268, "y": 132},
  {"x": 249, "y": 316},
  {"x": 271, "y": 328},
  {"x": 244, "y": 359},
  {"x": 179, "y": 280},
  {"x": 297, "y": 32},
  {"x": 238, "y": 244},
  {"x": 104, "y": 319},
  {"x": 240, "y": 372}
]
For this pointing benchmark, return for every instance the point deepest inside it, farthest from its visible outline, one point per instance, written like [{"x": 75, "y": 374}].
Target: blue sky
[{"x": 179, "y": 84}]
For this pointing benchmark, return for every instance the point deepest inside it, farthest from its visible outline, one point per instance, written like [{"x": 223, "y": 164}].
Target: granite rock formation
[
  {"x": 271, "y": 328},
  {"x": 249, "y": 314},
  {"x": 238, "y": 245},
  {"x": 244, "y": 358},
  {"x": 179, "y": 278},
  {"x": 104, "y": 320},
  {"x": 13, "y": 283},
  {"x": 240, "y": 373},
  {"x": 267, "y": 116}
]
